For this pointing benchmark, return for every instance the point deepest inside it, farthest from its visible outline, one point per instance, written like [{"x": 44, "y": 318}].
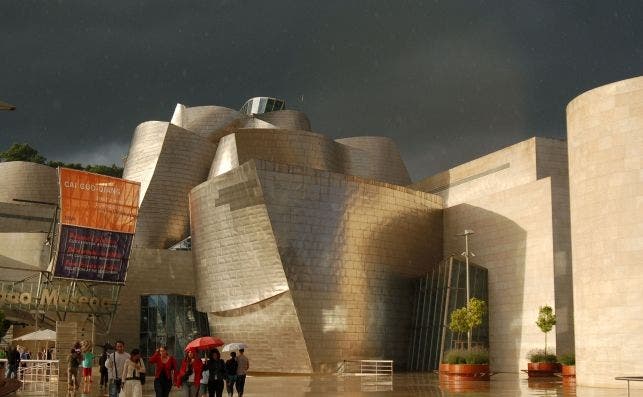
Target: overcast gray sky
[{"x": 448, "y": 80}]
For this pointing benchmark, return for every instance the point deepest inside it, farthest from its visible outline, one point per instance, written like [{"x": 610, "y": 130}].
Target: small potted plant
[
  {"x": 472, "y": 363},
  {"x": 568, "y": 362},
  {"x": 542, "y": 363}
]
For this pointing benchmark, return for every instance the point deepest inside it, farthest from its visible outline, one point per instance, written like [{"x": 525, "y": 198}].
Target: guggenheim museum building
[{"x": 255, "y": 228}]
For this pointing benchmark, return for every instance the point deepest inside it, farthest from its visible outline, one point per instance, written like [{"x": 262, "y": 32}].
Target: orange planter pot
[
  {"x": 539, "y": 370},
  {"x": 470, "y": 371},
  {"x": 569, "y": 371},
  {"x": 444, "y": 372}
]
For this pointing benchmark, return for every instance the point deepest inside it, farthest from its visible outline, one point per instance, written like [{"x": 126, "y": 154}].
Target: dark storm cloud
[{"x": 449, "y": 81}]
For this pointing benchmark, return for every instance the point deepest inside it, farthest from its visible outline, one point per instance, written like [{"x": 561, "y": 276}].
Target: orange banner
[{"x": 98, "y": 201}]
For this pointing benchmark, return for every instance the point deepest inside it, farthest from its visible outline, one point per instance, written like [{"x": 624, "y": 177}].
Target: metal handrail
[
  {"x": 368, "y": 367},
  {"x": 628, "y": 379},
  {"x": 39, "y": 375}
]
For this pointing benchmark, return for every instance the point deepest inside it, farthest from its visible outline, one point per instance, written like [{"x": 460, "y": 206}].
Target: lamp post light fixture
[
  {"x": 466, "y": 255},
  {"x": 6, "y": 106}
]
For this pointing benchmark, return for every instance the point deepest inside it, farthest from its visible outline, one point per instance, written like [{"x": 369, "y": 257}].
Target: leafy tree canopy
[
  {"x": 24, "y": 152},
  {"x": 546, "y": 319},
  {"x": 459, "y": 321},
  {"x": 468, "y": 317}
]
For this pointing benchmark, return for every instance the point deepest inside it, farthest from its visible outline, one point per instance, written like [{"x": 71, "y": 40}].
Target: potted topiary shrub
[
  {"x": 542, "y": 363},
  {"x": 472, "y": 363},
  {"x": 568, "y": 362}
]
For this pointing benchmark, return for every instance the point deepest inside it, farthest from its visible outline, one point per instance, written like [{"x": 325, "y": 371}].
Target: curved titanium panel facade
[
  {"x": 379, "y": 160},
  {"x": 182, "y": 162},
  {"x": 605, "y": 142},
  {"x": 302, "y": 148},
  {"x": 207, "y": 121},
  {"x": 233, "y": 244},
  {"x": 226, "y": 157},
  {"x": 351, "y": 249},
  {"x": 347, "y": 249},
  {"x": 24, "y": 225},
  {"x": 144, "y": 151},
  {"x": 28, "y": 181},
  {"x": 286, "y": 119},
  {"x": 375, "y": 157},
  {"x": 272, "y": 328},
  {"x": 253, "y": 122}
]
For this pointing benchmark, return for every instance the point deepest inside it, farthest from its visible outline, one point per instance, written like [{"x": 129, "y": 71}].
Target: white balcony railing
[{"x": 40, "y": 376}]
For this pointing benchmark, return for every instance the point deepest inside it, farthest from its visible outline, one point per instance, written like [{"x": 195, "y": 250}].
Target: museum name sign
[{"x": 52, "y": 298}]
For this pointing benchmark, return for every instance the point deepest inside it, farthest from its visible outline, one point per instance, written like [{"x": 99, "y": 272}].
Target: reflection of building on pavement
[{"x": 310, "y": 249}]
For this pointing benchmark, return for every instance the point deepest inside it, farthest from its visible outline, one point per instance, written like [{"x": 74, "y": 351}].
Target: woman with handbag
[
  {"x": 133, "y": 375},
  {"x": 165, "y": 367},
  {"x": 189, "y": 376}
]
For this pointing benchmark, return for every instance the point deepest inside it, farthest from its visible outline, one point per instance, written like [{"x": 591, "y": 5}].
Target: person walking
[
  {"x": 14, "y": 362},
  {"x": 132, "y": 370},
  {"x": 189, "y": 376},
  {"x": 216, "y": 367},
  {"x": 87, "y": 364},
  {"x": 231, "y": 373},
  {"x": 203, "y": 384},
  {"x": 164, "y": 370},
  {"x": 115, "y": 363},
  {"x": 102, "y": 368},
  {"x": 73, "y": 363},
  {"x": 242, "y": 368}
]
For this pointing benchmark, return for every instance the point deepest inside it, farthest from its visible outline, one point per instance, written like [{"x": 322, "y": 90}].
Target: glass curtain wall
[
  {"x": 438, "y": 294},
  {"x": 170, "y": 320},
  {"x": 260, "y": 105}
]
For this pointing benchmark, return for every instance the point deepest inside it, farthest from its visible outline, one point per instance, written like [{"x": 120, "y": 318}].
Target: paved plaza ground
[{"x": 402, "y": 384}]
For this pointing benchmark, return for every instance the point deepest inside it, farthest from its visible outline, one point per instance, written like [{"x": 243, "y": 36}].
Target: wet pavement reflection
[{"x": 403, "y": 384}]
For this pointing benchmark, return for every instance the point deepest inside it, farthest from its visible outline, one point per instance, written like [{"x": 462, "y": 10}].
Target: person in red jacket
[
  {"x": 164, "y": 370},
  {"x": 189, "y": 376}
]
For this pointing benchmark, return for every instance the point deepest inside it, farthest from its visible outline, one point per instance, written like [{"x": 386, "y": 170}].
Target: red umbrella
[{"x": 204, "y": 343}]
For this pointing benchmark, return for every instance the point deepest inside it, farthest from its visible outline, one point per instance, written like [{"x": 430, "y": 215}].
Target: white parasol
[
  {"x": 43, "y": 334},
  {"x": 230, "y": 347}
]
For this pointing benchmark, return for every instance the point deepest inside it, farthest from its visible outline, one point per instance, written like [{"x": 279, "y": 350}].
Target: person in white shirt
[
  {"x": 115, "y": 363},
  {"x": 205, "y": 378},
  {"x": 132, "y": 371}
]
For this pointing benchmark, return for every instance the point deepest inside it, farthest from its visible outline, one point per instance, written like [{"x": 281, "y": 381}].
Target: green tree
[
  {"x": 467, "y": 318},
  {"x": 22, "y": 152},
  {"x": 112, "y": 170},
  {"x": 546, "y": 321},
  {"x": 56, "y": 164}
]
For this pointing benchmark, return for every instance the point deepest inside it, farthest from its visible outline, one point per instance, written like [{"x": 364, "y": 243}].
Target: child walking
[{"x": 205, "y": 378}]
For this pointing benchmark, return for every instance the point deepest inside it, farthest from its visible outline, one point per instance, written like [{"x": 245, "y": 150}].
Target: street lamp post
[
  {"x": 466, "y": 255},
  {"x": 6, "y": 106}
]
